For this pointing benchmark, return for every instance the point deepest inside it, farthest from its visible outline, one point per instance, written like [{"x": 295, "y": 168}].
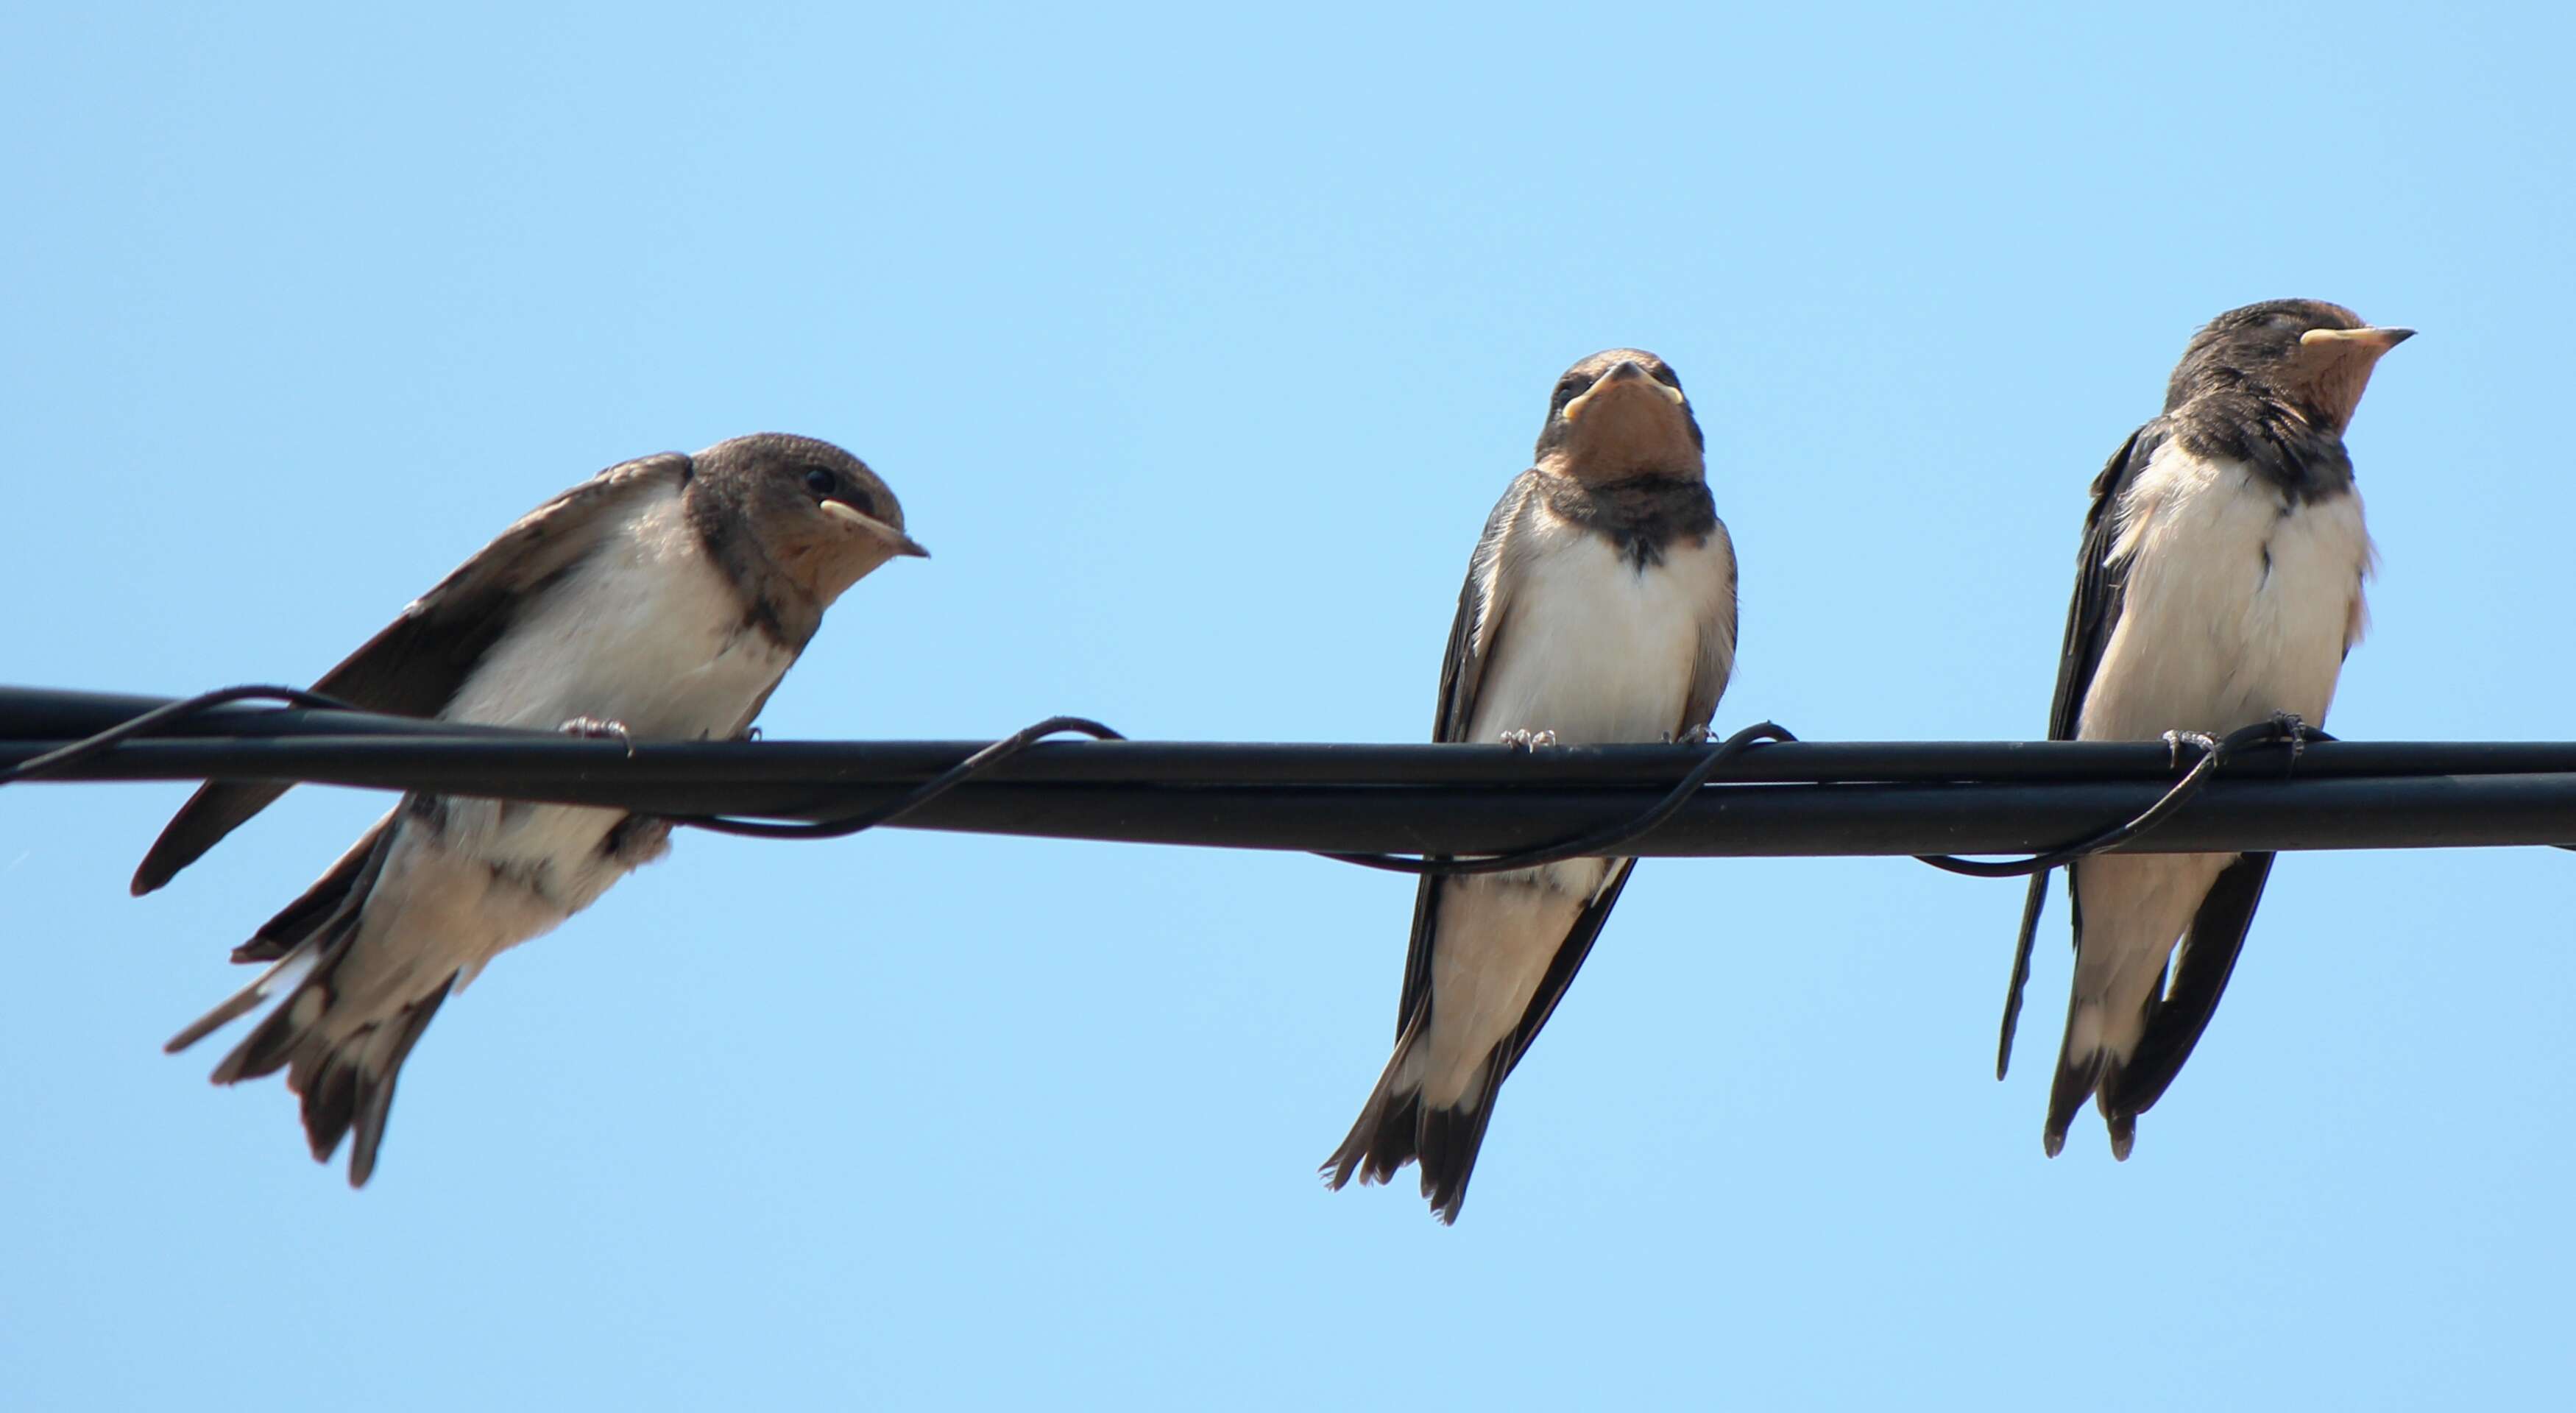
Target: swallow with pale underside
[
  {"x": 1599, "y": 607},
  {"x": 2219, "y": 584},
  {"x": 661, "y": 600}
]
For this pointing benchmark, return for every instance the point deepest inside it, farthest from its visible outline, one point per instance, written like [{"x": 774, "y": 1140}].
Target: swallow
[
  {"x": 2219, "y": 584},
  {"x": 662, "y": 599},
  {"x": 1599, "y": 607}
]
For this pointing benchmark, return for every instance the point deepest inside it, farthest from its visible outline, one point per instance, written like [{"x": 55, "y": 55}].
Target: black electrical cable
[
  {"x": 2212, "y": 753},
  {"x": 153, "y": 720},
  {"x": 1592, "y": 844},
  {"x": 173, "y": 713},
  {"x": 912, "y": 799},
  {"x": 166, "y": 714}
]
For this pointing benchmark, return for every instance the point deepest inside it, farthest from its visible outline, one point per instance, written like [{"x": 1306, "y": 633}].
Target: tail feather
[
  {"x": 1382, "y": 1141},
  {"x": 242, "y": 1002},
  {"x": 1450, "y": 1138},
  {"x": 349, "y": 1084},
  {"x": 2177, "y": 1016},
  {"x": 2089, "y": 1068},
  {"x": 343, "y": 1068},
  {"x": 345, "y": 1077},
  {"x": 2078, "y": 1076},
  {"x": 342, "y": 886},
  {"x": 1396, "y": 1127},
  {"x": 1385, "y": 1136}
]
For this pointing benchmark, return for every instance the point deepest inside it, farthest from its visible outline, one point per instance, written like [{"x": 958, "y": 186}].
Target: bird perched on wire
[
  {"x": 1599, "y": 607},
  {"x": 662, "y": 599},
  {"x": 2220, "y": 584}
]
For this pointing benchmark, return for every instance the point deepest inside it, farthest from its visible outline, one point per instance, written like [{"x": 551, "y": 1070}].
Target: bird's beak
[
  {"x": 1616, "y": 384},
  {"x": 2373, "y": 341},
  {"x": 897, "y": 540}
]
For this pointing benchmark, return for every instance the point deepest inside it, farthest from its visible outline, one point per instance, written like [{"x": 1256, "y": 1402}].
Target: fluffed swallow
[
  {"x": 1599, "y": 607},
  {"x": 662, "y": 599},
  {"x": 2220, "y": 584}
]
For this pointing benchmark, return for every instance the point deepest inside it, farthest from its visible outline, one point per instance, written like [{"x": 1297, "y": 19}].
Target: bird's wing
[
  {"x": 1484, "y": 606},
  {"x": 2100, "y": 588},
  {"x": 2202, "y": 964},
  {"x": 1716, "y": 661},
  {"x": 352, "y": 876},
  {"x": 417, "y": 663}
]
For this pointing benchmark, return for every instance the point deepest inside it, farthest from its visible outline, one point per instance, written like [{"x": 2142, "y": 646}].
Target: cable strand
[
  {"x": 100, "y": 743},
  {"x": 2193, "y": 781},
  {"x": 1594, "y": 843},
  {"x": 913, "y": 799}
]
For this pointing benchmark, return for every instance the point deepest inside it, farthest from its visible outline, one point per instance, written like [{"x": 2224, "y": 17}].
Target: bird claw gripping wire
[
  {"x": 592, "y": 728},
  {"x": 2205, "y": 743},
  {"x": 2294, "y": 731},
  {"x": 1528, "y": 741}
]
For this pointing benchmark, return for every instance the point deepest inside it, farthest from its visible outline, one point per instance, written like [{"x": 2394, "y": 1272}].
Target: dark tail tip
[
  {"x": 1452, "y": 1137},
  {"x": 1380, "y": 1142}
]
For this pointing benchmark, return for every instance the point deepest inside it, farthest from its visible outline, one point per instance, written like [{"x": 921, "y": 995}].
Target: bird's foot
[
  {"x": 2290, "y": 728},
  {"x": 1528, "y": 740},
  {"x": 1687, "y": 736},
  {"x": 591, "y": 728},
  {"x": 2176, "y": 740}
]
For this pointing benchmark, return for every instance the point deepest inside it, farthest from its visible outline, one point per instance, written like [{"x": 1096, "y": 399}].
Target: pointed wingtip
[
  {"x": 167, "y": 856},
  {"x": 215, "y": 811},
  {"x": 161, "y": 864},
  {"x": 158, "y": 866}
]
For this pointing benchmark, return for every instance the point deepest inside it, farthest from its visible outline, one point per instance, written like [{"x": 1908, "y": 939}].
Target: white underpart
[
  {"x": 2209, "y": 639},
  {"x": 1596, "y": 651},
  {"x": 647, "y": 633}
]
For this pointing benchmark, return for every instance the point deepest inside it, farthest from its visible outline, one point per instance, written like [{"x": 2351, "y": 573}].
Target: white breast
[
  {"x": 1595, "y": 649},
  {"x": 647, "y": 633},
  {"x": 2239, "y": 604}
]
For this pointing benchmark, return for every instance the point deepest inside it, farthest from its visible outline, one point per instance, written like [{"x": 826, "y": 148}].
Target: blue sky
[{"x": 1197, "y": 347}]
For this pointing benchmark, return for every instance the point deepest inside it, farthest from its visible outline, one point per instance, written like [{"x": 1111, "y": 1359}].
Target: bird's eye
[
  {"x": 820, "y": 481},
  {"x": 1568, "y": 390}
]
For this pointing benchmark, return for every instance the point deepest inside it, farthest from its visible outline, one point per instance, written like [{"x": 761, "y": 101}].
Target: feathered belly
[
  {"x": 2237, "y": 607},
  {"x": 652, "y": 639},
  {"x": 1598, "y": 652}
]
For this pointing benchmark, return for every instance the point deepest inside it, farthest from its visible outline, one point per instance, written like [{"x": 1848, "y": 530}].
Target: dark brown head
[
  {"x": 816, "y": 514},
  {"x": 1618, "y": 414},
  {"x": 2310, "y": 356}
]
